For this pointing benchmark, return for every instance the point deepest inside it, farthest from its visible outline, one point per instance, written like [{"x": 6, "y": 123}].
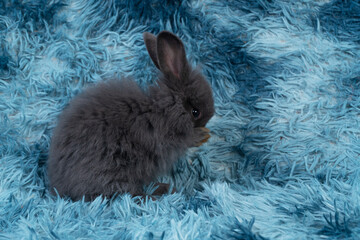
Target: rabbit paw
[
  {"x": 201, "y": 135},
  {"x": 163, "y": 188}
]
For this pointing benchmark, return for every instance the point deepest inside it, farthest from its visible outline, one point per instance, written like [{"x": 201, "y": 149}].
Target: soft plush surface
[{"x": 284, "y": 158}]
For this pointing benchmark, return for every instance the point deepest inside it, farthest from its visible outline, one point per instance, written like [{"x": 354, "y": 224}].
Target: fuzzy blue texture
[{"x": 284, "y": 158}]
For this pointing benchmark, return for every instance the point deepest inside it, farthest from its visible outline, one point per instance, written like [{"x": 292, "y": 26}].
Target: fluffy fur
[
  {"x": 114, "y": 137},
  {"x": 283, "y": 158}
]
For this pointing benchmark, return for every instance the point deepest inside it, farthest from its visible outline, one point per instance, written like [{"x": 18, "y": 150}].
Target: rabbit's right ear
[{"x": 151, "y": 46}]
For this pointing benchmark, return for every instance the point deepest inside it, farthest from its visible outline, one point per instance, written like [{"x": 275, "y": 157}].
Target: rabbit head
[{"x": 168, "y": 54}]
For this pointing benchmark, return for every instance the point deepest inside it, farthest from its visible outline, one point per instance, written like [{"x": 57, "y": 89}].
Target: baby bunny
[{"x": 115, "y": 137}]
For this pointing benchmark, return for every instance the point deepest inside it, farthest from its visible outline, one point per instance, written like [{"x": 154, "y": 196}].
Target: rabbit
[{"x": 116, "y": 137}]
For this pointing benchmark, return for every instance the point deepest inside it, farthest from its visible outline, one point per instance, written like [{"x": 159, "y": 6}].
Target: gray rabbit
[{"x": 115, "y": 137}]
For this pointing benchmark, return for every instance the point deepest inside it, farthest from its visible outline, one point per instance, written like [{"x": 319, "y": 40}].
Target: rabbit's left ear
[
  {"x": 150, "y": 43},
  {"x": 171, "y": 54}
]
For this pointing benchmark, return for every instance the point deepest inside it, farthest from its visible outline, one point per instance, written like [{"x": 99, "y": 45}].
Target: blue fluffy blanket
[{"x": 284, "y": 158}]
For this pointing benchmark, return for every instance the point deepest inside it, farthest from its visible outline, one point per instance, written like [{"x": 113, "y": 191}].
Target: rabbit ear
[
  {"x": 150, "y": 43},
  {"x": 171, "y": 54}
]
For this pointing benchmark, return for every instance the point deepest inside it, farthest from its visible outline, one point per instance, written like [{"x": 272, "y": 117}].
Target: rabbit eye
[{"x": 195, "y": 113}]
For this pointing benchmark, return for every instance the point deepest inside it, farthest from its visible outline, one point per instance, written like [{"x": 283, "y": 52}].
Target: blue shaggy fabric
[{"x": 284, "y": 158}]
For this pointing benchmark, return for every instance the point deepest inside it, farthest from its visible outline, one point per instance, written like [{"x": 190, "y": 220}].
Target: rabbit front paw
[{"x": 201, "y": 136}]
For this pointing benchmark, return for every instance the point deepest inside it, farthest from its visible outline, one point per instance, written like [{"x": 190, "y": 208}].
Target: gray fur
[{"x": 115, "y": 137}]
